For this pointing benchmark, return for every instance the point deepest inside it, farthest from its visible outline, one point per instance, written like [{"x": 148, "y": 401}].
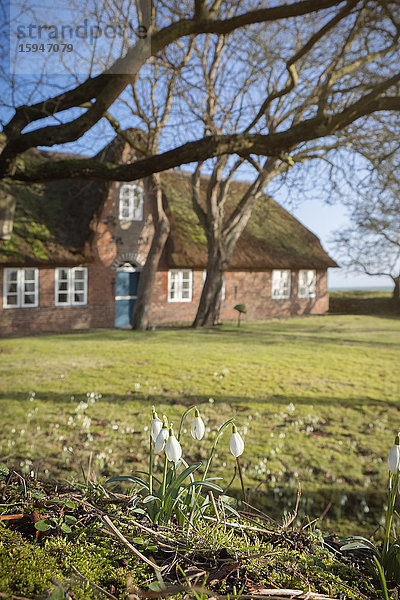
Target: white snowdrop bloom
[
  {"x": 394, "y": 456},
  {"x": 161, "y": 438},
  {"x": 173, "y": 449},
  {"x": 156, "y": 425},
  {"x": 236, "y": 443},
  {"x": 197, "y": 430}
]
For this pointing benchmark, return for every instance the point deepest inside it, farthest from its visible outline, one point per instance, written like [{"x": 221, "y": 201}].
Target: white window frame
[
  {"x": 307, "y": 285},
  {"x": 70, "y": 291},
  {"x": 133, "y": 213},
  {"x": 20, "y": 293},
  {"x": 177, "y": 276},
  {"x": 223, "y": 291},
  {"x": 280, "y": 289}
]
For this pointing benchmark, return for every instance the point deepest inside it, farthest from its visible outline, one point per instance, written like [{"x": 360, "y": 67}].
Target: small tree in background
[{"x": 371, "y": 245}]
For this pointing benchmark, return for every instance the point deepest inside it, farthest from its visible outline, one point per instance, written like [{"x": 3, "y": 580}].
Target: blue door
[{"x": 125, "y": 297}]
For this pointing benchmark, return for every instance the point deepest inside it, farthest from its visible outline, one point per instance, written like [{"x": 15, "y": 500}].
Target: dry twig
[
  {"x": 106, "y": 519},
  {"x": 92, "y": 584}
]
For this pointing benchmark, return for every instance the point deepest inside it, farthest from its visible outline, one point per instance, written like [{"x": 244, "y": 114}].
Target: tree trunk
[
  {"x": 141, "y": 315},
  {"x": 396, "y": 290},
  {"x": 208, "y": 312},
  {"x": 7, "y": 209}
]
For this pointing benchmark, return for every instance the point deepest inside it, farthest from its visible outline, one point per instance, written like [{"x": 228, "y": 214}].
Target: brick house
[{"x": 74, "y": 256}]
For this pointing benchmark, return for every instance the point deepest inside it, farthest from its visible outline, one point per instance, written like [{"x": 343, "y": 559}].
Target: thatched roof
[
  {"x": 273, "y": 238},
  {"x": 52, "y": 224}
]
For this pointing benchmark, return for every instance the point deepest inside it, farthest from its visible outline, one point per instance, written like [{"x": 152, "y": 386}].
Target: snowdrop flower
[
  {"x": 394, "y": 456},
  {"x": 236, "y": 444},
  {"x": 156, "y": 425},
  {"x": 173, "y": 449},
  {"x": 197, "y": 430},
  {"x": 162, "y": 437}
]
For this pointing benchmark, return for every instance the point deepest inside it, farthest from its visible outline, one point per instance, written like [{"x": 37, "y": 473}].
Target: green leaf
[
  {"x": 356, "y": 546},
  {"x": 206, "y": 484},
  {"x": 151, "y": 499},
  {"x": 42, "y": 525},
  {"x": 57, "y": 594},
  {"x": 66, "y": 528},
  {"x": 70, "y": 519},
  {"x": 139, "y": 511},
  {"x": 230, "y": 501},
  {"x": 363, "y": 540},
  {"x": 4, "y": 472},
  {"x": 155, "y": 586},
  {"x": 128, "y": 478},
  {"x": 70, "y": 504},
  {"x": 391, "y": 562},
  {"x": 175, "y": 485},
  {"x": 147, "y": 475},
  {"x": 138, "y": 540}
]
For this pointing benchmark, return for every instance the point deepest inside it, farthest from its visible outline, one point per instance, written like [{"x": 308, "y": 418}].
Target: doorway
[{"x": 125, "y": 294}]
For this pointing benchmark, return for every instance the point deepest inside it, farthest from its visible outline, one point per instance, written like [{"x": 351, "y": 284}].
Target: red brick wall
[
  {"x": 114, "y": 243},
  {"x": 99, "y": 311},
  {"x": 245, "y": 287},
  {"x": 252, "y": 288}
]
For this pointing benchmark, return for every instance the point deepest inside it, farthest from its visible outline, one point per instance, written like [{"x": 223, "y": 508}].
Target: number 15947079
[{"x": 45, "y": 47}]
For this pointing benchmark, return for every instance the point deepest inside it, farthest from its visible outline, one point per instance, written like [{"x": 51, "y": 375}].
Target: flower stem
[
  {"x": 151, "y": 467},
  {"x": 183, "y": 417},
  {"x": 393, "y": 482},
  {"x": 164, "y": 480},
  {"x": 241, "y": 478},
  {"x": 219, "y": 433},
  {"x": 382, "y": 578}
]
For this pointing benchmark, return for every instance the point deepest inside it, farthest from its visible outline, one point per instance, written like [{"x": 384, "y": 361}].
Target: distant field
[{"x": 317, "y": 400}]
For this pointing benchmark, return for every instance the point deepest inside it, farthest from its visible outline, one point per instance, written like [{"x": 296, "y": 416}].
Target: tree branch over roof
[
  {"x": 106, "y": 88},
  {"x": 212, "y": 146}
]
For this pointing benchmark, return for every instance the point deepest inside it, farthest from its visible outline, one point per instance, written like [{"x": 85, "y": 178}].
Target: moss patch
[{"x": 223, "y": 559}]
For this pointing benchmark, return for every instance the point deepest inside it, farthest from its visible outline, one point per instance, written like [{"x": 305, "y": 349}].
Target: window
[
  {"x": 223, "y": 291},
  {"x": 71, "y": 286},
  {"x": 21, "y": 288},
  {"x": 180, "y": 285},
  {"x": 130, "y": 203},
  {"x": 281, "y": 284},
  {"x": 307, "y": 283}
]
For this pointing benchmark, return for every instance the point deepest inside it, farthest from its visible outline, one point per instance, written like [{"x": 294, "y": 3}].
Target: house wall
[
  {"x": 245, "y": 287},
  {"x": 252, "y": 288},
  {"x": 99, "y": 312},
  {"x": 115, "y": 242}
]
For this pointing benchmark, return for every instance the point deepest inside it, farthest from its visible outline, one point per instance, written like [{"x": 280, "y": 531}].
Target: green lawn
[{"x": 316, "y": 399}]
